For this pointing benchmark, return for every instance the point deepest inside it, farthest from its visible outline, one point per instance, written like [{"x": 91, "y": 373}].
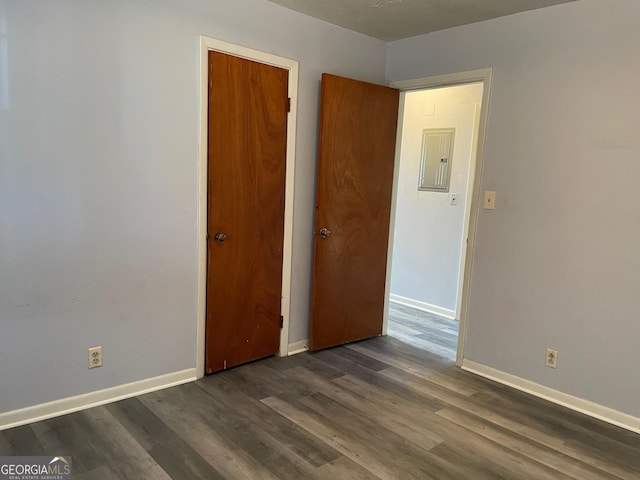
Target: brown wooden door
[
  {"x": 356, "y": 155},
  {"x": 246, "y": 186}
]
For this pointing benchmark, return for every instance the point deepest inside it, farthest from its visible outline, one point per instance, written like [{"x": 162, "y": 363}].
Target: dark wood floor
[{"x": 381, "y": 408}]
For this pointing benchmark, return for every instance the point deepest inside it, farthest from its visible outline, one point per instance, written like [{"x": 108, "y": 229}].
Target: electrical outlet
[
  {"x": 489, "y": 200},
  {"x": 552, "y": 358},
  {"x": 95, "y": 357}
]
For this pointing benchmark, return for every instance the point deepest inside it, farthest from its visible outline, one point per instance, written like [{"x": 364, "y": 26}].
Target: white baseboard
[
  {"x": 298, "y": 347},
  {"x": 581, "y": 405},
  {"x": 64, "y": 406},
  {"x": 425, "y": 307}
]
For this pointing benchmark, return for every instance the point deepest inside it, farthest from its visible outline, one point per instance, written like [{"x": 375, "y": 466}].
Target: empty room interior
[{"x": 353, "y": 239}]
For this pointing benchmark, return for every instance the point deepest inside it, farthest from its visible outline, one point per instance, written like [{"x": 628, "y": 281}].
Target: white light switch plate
[
  {"x": 489, "y": 200},
  {"x": 454, "y": 199}
]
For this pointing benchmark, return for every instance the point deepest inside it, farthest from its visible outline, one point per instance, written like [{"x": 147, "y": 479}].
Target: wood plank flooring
[
  {"x": 384, "y": 408},
  {"x": 425, "y": 331}
]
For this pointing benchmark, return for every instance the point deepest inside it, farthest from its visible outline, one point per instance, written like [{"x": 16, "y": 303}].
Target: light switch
[
  {"x": 454, "y": 199},
  {"x": 489, "y": 200}
]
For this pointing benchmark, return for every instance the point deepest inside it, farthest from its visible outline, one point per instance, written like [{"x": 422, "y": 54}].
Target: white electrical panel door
[{"x": 437, "y": 155}]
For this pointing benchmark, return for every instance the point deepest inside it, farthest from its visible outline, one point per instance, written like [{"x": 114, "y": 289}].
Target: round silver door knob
[
  {"x": 220, "y": 237},
  {"x": 325, "y": 233}
]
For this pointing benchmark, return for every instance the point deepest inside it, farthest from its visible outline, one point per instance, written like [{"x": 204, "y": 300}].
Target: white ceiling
[{"x": 395, "y": 19}]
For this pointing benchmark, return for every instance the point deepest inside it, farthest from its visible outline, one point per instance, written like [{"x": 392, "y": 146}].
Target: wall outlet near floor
[
  {"x": 552, "y": 358},
  {"x": 95, "y": 357}
]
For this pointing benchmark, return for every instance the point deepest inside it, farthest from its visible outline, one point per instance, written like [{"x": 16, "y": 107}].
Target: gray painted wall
[
  {"x": 557, "y": 263},
  {"x": 98, "y": 179},
  {"x": 428, "y": 229}
]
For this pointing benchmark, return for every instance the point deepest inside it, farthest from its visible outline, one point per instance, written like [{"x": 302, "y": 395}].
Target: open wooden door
[
  {"x": 247, "y": 139},
  {"x": 358, "y": 123}
]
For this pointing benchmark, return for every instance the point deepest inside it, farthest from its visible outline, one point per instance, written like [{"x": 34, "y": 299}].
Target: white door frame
[
  {"x": 473, "y": 194},
  {"x": 208, "y": 44}
]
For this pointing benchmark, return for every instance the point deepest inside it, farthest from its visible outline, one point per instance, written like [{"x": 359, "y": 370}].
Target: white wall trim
[
  {"x": 581, "y": 405},
  {"x": 467, "y": 204},
  {"x": 207, "y": 44},
  {"x": 446, "y": 80},
  {"x": 298, "y": 347},
  {"x": 392, "y": 213},
  {"x": 424, "y": 306},
  {"x": 482, "y": 75},
  {"x": 64, "y": 406}
]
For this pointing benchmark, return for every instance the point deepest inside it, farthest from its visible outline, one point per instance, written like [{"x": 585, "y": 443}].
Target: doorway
[
  {"x": 263, "y": 62},
  {"x": 432, "y": 232}
]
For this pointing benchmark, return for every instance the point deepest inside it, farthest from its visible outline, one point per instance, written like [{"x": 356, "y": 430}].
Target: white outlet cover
[
  {"x": 95, "y": 357},
  {"x": 489, "y": 200},
  {"x": 551, "y": 359}
]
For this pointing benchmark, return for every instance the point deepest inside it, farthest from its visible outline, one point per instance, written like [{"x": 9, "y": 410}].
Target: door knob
[
  {"x": 325, "y": 233},
  {"x": 220, "y": 237}
]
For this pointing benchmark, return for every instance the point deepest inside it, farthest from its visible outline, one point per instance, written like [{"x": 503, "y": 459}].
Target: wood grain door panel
[
  {"x": 246, "y": 188},
  {"x": 358, "y": 123}
]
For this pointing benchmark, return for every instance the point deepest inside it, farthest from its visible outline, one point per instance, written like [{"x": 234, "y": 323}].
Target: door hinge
[
  {"x": 288, "y": 105},
  {"x": 281, "y": 321}
]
